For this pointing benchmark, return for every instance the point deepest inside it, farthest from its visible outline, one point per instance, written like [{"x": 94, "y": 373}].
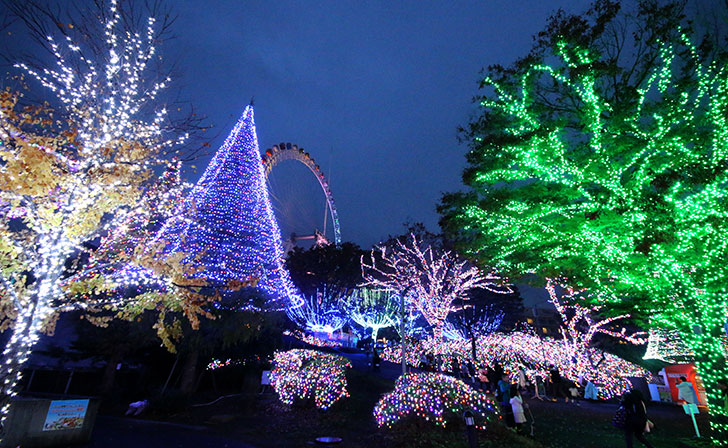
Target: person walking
[
  {"x": 686, "y": 391},
  {"x": 456, "y": 368},
  {"x": 376, "y": 359},
  {"x": 591, "y": 392},
  {"x": 555, "y": 383},
  {"x": 521, "y": 379},
  {"x": 539, "y": 390},
  {"x": 423, "y": 361},
  {"x": 517, "y": 405},
  {"x": 636, "y": 422},
  {"x": 469, "y": 372},
  {"x": 504, "y": 398},
  {"x": 484, "y": 380}
]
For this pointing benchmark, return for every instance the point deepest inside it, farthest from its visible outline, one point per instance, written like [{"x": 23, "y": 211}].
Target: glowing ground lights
[
  {"x": 309, "y": 375},
  {"x": 433, "y": 397},
  {"x": 531, "y": 353}
]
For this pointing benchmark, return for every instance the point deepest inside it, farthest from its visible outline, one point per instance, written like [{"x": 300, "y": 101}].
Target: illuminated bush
[
  {"x": 434, "y": 397},
  {"x": 309, "y": 375}
]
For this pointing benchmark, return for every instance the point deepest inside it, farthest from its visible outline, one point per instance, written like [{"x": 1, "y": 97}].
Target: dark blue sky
[{"x": 374, "y": 90}]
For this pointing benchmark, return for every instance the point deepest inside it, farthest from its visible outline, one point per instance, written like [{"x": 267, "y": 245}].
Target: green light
[{"x": 626, "y": 197}]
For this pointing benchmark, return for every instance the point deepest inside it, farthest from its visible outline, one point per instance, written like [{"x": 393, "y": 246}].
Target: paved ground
[
  {"x": 554, "y": 424},
  {"x": 118, "y": 432}
]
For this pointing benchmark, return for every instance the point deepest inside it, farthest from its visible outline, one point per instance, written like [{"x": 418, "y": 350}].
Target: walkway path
[{"x": 119, "y": 432}]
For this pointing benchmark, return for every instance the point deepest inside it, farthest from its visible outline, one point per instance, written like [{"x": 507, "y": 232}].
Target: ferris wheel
[{"x": 287, "y": 151}]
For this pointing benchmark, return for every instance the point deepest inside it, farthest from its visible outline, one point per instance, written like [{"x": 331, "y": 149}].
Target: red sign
[{"x": 674, "y": 372}]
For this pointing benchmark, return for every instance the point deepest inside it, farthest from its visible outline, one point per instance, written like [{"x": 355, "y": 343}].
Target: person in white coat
[
  {"x": 686, "y": 391},
  {"x": 517, "y": 406},
  {"x": 591, "y": 392}
]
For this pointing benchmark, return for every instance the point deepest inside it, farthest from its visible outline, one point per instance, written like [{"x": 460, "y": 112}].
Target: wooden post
[
  {"x": 402, "y": 332},
  {"x": 68, "y": 383}
]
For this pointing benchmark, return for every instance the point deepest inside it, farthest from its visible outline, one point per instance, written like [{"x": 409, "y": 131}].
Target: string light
[
  {"x": 225, "y": 229},
  {"x": 61, "y": 177},
  {"x": 105, "y": 103},
  {"x": 433, "y": 397},
  {"x": 372, "y": 309},
  {"x": 308, "y": 374},
  {"x": 319, "y": 313},
  {"x": 488, "y": 321},
  {"x": 312, "y": 340},
  {"x": 216, "y": 364},
  {"x": 433, "y": 281},
  {"x": 627, "y": 197},
  {"x": 667, "y": 346},
  {"x": 523, "y": 350}
]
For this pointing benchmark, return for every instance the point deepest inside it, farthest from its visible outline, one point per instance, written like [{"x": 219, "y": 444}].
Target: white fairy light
[{"x": 106, "y": 104}]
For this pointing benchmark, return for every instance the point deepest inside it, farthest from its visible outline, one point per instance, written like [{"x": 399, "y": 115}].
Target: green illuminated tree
[{"x": 602, "y": 157}]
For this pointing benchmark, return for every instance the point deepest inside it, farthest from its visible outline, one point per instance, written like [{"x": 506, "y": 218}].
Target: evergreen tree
[
  {"x": 336, "y": 267},
  {"x": 602, "y": 157},
  {"x": 225, "y": 230}
]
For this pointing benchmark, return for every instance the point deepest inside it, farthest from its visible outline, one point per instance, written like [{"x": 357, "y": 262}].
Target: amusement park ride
[{"x": 287, "y": 151}]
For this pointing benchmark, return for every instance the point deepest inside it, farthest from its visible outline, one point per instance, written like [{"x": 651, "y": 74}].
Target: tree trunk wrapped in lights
[
  {"x": 434, "y": 281},
  {"x": 65, "y": 171},
  {"x": 602, "y": 157}
]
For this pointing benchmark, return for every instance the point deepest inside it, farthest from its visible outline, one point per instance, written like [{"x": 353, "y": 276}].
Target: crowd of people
[
  {"x": 631, "y": 417},
  {"x": 510, "y": 393}
]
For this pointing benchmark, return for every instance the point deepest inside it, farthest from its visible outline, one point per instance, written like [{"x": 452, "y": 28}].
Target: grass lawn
[
  {"x": 263, "y": 421},
  {"x": 589, "y": 425}
]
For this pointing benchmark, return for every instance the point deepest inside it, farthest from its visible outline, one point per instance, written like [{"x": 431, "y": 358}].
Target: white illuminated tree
[
  {"x": 579, "y": 327},
  {"x": 434, "y": 280},
  {"x": 67, "y": 171}
]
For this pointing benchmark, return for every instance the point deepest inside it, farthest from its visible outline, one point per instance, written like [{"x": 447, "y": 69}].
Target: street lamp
[{"x": 470, "y": 429}]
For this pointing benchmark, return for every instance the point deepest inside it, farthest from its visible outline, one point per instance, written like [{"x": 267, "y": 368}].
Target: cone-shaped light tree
[{"x": 225, "y": 230}]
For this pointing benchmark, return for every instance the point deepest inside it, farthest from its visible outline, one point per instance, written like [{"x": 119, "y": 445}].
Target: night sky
[{"x": 373, "y": 90}]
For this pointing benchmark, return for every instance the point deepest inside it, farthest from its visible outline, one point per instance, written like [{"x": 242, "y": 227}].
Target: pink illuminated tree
[
  {"x": 432, "y": 280},
  {"x": 579, "y": 326}
]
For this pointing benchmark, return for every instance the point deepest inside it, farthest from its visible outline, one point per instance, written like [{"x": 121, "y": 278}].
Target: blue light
[{"x": 226, "y": 225}]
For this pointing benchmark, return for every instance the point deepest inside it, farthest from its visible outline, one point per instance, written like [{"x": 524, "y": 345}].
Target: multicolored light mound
[
  {"x": 434, "y": 397},
  {"x": 531, "y": 353},
  {"x": 309, "y": 374}
]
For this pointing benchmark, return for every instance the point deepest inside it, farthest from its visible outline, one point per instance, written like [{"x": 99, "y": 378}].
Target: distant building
[{"x": 545, "y": 321}]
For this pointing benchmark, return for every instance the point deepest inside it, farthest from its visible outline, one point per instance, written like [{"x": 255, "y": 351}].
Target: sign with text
[{"x": 65, "y": 414}]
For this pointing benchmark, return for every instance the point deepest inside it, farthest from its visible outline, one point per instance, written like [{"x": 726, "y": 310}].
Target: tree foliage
[
  {"x": 72, "y": 172},
  {"x": 602, "y": 157}
]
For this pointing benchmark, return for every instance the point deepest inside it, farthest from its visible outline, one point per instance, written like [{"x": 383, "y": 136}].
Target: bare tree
[
  {"x": 75, "y": 38},
  {"x": 433, "y": 280}
]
